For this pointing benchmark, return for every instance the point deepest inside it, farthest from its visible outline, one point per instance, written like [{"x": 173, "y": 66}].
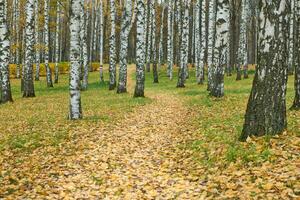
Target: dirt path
[{"x": 136, "y": 159}]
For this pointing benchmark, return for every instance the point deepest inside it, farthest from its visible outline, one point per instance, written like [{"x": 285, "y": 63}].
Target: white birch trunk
[
  {"x": 101, "y": 18},
  {"x": 112, "y": 47},
  {"x": 140, "y": 50},
  {"x": 47, "y": 47},
  {"x": 5, "y": 91},
  {"x": 211, "y": 41},
  {"x": 57, "y": 33},
  {"x": 125, "y": 30},
  {"x": 75, "y": 98}
]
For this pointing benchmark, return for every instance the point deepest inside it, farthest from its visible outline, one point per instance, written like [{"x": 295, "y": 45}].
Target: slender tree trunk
[
  {"x": 47, "y": 47},
  {"x": 170, "y": 55},
  {"x": 75, "y": 98},
  {"x": 296, "y": 103},
  {"x": 211, "y": 41},
  {"x": 5, "y": 89},
  {"x": 242, "y": 50},
  {"x": 125, "y": 30},
  {"x": 150, "y": 34},
  {"x": 18, "y": 39},
  {"x": 37, "y": 42},
  {"x": 203, "y": 36},
  {"x": 57, "y": 33},
  {"x": 29, "y": 51},
  {"x": 291, "y": 63},
  {"x": 154, "y": 48},
  {"x": 85, "y": 55},
  {"x": 184, "y": 47},
  {"x": 140, "y": 47},
  {"x": 101, "y": 37},
  {"x": 161, "y": 49},
  {"x": 266, "y": 110},
  {"x": 221, "y": 48},
  {"x": 112, "y": 47},
  {"x": 92, "y": 34}
]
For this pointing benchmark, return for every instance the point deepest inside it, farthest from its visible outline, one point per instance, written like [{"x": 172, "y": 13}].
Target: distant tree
[
  {"x": 84, "y": 47},
  {"x": 125, "y": 30},
  {"x": 296, "y": 103},
  {"x": 154, "y": 46},
  {"x": 101, "y": 38},
  {"x": 37, "y": 41},
  {"x": 76, "y": 8},
  {"x": 161, "y": 34},
  {"x": 47, "y": 46},
  {"x": 112, "y": 47},
  {"x": 221, "y": 48},
  {"x": 291, "y": 42},
  {"x": 17, "y": 22},
  {"x": 5, "y": 90},
  {"x": 140, "y": 50},
  {"x": 266, "y": 110},
  {"x": 57, "y": 33},
  {"x": 170, "y": 54}
]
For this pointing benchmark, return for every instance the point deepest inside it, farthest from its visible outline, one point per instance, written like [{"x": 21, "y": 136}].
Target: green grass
[{"x": 31, "y": 123}]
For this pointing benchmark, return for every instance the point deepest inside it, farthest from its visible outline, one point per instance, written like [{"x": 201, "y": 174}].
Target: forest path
[{"x": 135, "y": 159}]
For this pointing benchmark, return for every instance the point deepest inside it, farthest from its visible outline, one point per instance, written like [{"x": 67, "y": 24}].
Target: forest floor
[{"x": 173, "y": 144}]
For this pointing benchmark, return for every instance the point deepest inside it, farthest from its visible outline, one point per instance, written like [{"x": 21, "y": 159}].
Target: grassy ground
[{"x": 212, "y": 148}]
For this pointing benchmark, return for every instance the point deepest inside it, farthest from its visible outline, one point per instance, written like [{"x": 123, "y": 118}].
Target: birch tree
[
  {"x": 161, "y": 49},
  {"x": 184, "y": 46},
  {"x": 17, "y": 10},
  {"x": 101, "y": 37},
  {"x": 150, "y": 34},
  {"x": 92, "y": 35},
  {"x": 140, "y": 47},
  {"x": 291, "y": 39},
  {"x": 266, "y": 110},
  {"x": 28, "y": 90},
  {"x": 125, "y": 29},
  {"x": 242, "y": 50},
  {"x": 76, "y": 8},
  {"x": 154, "y": 47},
  {"x": 37, "y": 42},
  {"x": 5, "y": 89},
  {"x": 57, "y": 33},
  {"x": 170, "y": 56},
  {"x": 46, "y": 36},
  {"x": 112, "y": 47},
  {"x": 211, "y": 41},
  {"x": 83, "y": 38},
  {"x": 220, "y": 49},
  {"x": 296, "y": 103}
]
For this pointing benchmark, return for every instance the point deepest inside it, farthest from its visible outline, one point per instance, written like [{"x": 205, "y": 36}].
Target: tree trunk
[
  {"x": 37, "y": 42},
  {"x": 211, "y": 41},
  {"x": 28, "y": 90},
  {"x": 154, "y": 48},
  {"x": 161, "y": 49},
  {"x": 291, "y": 44},
  {"x": 57, "y": 33},
  {"x": 266, "y": 110},
  {"x": 5, "y": 89},
  {"x": 112, "y": 47},
  {"x": 101, "y": 17},
  {"x": 85, "y": 55},
  {"x": 140, "y": 47},
  {"x": 47, "y": 46},
  {"x": 221, "y": 49},
  {"x": 170, "y": 55},
  {"x": 150, "y": 34},
  {"x": 184, "y": 47},
  {"x": 242, "y": 50},
  {"x": 75, "y": 98},
  {"x": 296, "y": 103},
  {"x": 125, "y": 30}
]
